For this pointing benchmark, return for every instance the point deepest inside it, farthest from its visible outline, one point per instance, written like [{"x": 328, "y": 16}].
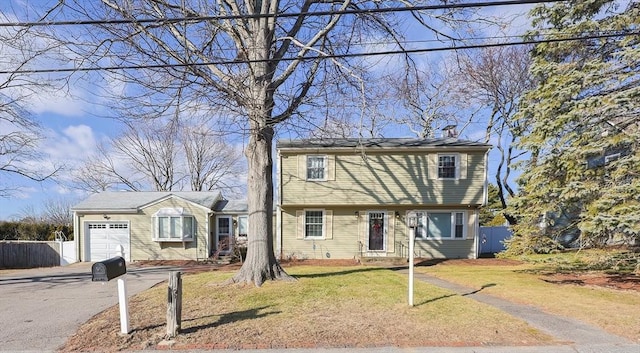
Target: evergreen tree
[
  {"x": 584, "y": 168},
  {"x": 491, "y": 215}
]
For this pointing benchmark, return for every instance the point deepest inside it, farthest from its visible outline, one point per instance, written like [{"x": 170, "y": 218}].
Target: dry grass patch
[
  {"x": 326, "y": 307},
  {"x": 616, "y": 311}
]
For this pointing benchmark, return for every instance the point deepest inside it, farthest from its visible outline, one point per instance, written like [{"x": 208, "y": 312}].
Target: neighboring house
[
  {"x": 156, "y": 225},
  {"x": 349, "y": 198}
]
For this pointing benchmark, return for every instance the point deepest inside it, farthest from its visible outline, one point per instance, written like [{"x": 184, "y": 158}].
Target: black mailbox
[{"x": 108, "y": 269}]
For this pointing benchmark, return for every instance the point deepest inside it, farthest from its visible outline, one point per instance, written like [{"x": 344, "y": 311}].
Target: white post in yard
[
  {"x": 412, "y": 236},
  {"x": 123, "y": 301},
  {"x": 123, "y": 304}
]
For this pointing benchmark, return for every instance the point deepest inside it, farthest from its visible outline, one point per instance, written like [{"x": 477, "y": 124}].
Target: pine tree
[{"x": 584, "y": 168}]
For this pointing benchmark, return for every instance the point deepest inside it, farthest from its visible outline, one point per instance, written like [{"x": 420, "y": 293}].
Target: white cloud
[
  {"x": 70, "y": 146},
  {"x": 58, "y": 103}
]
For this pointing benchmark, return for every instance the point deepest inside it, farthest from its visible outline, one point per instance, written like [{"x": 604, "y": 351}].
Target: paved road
[{"x": 41, "y": 308}]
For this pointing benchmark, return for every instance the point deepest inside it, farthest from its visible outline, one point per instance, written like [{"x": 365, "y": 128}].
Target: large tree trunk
[{"x": 260, "y": 264}]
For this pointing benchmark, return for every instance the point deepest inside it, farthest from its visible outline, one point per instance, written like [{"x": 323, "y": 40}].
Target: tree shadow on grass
[
  {"x": 228, "y": 318},
  {"x": 436, "y": 299},
  {"x": 478, "y": 290},
  {"x": 338, "y": 273},
  {"x": 456, "y": 294}
]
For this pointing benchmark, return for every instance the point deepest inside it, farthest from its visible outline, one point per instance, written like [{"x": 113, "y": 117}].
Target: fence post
[{"x": 174, "y": 304}]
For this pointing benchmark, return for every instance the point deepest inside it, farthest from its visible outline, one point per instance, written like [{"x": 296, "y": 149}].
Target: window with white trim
[
  {"x": 448, "y": 166},
  {"x": 172, "y": 224},
  {"x": 441, "y": 225},
  {"x": 314, "y": 224},
  {"x": 316, "y": 167}
]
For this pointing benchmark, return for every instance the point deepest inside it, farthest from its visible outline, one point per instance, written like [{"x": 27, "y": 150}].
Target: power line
[
  {"x": 330, "y": 56},
  {"x": 404, "y": 43},
  {"x": 280, "y": 15}
]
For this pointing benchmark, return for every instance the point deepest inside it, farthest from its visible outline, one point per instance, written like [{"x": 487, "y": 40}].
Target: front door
[
  {"x": 225, "y": 234},
  {"x": 377, "y": 231}
]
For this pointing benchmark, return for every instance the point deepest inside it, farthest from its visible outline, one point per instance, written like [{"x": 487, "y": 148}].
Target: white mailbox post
[{"x": 106, "y": 270}]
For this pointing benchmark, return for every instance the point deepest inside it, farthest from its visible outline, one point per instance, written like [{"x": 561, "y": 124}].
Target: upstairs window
[
  {"x": 172, "y": 224},
  {"x": 448, "y": 166},
  {"x": 316, "y": 167}
]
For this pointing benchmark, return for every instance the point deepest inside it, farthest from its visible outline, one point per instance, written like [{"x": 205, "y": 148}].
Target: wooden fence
[{"x": 29, "y": 254}]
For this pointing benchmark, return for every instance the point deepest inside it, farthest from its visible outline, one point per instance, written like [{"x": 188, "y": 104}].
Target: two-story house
[{"x": 349, "y": 198}]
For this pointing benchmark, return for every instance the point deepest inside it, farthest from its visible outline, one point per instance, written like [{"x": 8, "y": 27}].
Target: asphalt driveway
[{"x": 41, "y": 308}]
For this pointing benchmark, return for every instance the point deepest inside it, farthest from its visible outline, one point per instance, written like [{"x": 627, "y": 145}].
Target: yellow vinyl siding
[
  {"x": 383, "y": 178},
  {"x": 445, "y": 249},
  {"x": 143, "y": 247},
  {"x": 350, "y": 236},
  {"x": 340, "y": 242}
]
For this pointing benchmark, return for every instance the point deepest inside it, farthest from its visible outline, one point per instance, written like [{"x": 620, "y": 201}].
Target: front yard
[
  {"x": 564, "y": 284},
  {"x": 360, "y": 306}
]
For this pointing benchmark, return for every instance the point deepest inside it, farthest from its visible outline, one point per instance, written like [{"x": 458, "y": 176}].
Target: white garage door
[{"x": 105, "y": 239}]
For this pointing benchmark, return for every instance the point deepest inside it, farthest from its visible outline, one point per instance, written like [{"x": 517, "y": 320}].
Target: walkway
[{"x": 576, "y": 333}]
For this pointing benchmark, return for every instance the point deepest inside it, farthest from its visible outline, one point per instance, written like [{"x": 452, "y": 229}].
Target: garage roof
[{"x": 132, "y": 201}]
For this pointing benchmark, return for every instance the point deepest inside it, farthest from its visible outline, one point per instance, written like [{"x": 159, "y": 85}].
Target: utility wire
[
  {"x": 404, "y": 43},
  {"x": 280, "y": 15},
  {"x": 329, "y": 56}
]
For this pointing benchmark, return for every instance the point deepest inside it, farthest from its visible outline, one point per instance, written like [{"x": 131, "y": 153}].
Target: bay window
[{"x": 172, "y": 224}]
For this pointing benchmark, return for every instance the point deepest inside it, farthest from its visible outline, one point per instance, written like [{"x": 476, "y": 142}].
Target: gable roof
[
  {"x": 132, "y": 201},
  {"x": 381, "y": 143}
]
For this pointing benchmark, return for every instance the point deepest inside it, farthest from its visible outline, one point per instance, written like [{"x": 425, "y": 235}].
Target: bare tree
[
  {"x": 105, "y": 170},
  {"x": 212, "y": 162},
  {"x": 151, "y": 150},
  {"x": 150, "y": 156},
  {"x": 265, "y": 61},
  {"x": 496, "y": 78},
  {"x": 57, "y": 212},
  {"x": 20, "y": 135},
  {"x": 428, "y": 102}
]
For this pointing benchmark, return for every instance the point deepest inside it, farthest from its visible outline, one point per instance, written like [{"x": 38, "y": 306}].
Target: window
[
  {"x": 313, "y": 224},
  {"x": 316, "y": 168},
  {"x": 441, "y": 225},
  {"x": 171, "y": 224},
  {"x": 243, "y": 226},
  {"x": 448, "y": 166},
  {"x": 458, "y": 225}
]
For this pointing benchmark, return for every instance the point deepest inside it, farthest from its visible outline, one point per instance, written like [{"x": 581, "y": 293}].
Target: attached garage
[
  {"x": 152, "y": 225},
  {"x": 104, "y": 239}
]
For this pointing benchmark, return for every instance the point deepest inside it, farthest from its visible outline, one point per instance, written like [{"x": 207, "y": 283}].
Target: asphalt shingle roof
[
  {"x": 231, "y": 206},
  {"x": 133, "y": 200},
  {"x": 378, "y": 143}
]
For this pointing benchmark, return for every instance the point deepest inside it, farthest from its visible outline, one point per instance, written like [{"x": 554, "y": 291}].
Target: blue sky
[{"x": 72, "y": 130}]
